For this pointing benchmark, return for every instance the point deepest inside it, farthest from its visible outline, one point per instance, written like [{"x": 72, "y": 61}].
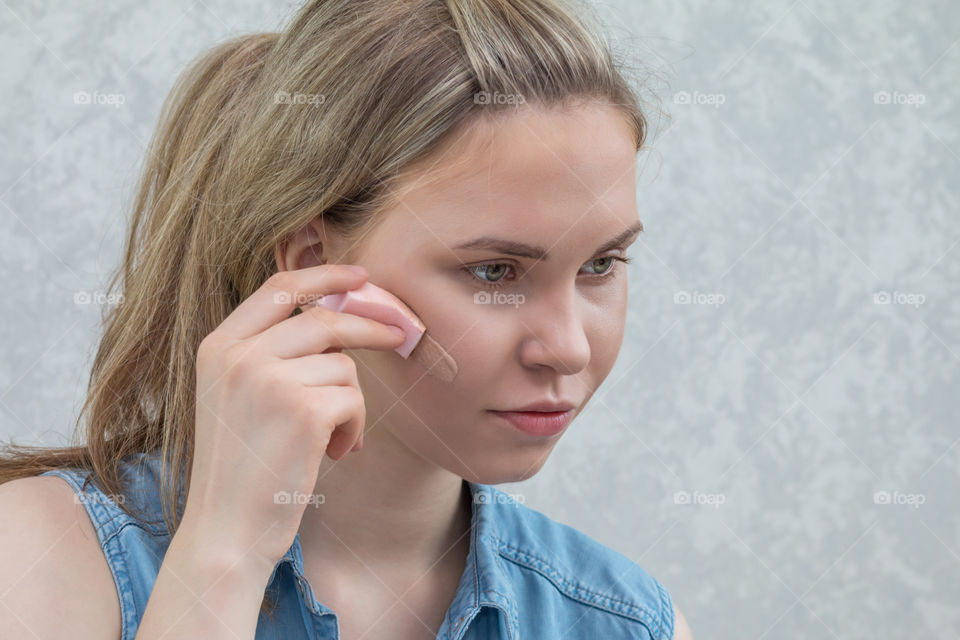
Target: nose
[{"x": 555, "y": 335}]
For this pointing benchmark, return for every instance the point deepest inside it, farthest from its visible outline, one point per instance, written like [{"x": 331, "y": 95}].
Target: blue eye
[{"x": 491, "y": 274}]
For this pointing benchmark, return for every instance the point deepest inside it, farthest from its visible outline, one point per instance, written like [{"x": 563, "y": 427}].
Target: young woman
[{"x": 255, "y": 467}]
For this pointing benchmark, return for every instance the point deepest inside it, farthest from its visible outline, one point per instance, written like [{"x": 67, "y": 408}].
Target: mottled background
[{"x": 778, "y": 442}]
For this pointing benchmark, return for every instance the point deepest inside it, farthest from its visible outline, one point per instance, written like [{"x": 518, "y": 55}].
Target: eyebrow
[{"x": 535, "y": 252}]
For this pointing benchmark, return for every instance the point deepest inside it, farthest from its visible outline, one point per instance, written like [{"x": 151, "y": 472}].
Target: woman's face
[{"x": 522, "y": 329}]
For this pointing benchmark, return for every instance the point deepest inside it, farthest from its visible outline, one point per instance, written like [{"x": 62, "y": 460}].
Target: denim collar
[{"x": 484, "y": 582}]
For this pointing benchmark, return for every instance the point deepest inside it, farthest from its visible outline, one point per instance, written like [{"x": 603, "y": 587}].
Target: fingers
[
  {"x": 344, "y": 406},
  {"x": 321, "y": 369},
  {"x": 317, "y": 330},
  {"x": 284, "y": 291}
]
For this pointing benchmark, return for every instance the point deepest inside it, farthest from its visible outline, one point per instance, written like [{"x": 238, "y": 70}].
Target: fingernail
[
  {"x": 357, "y": 269},
  {"x": 398, "y": 331}
]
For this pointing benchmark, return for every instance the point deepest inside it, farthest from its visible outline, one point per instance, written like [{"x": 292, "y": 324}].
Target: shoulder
[
  {"x": 50, "y": 552},
  {"x": 585, "y": 572},
  {"x": 681, "y": 629}
]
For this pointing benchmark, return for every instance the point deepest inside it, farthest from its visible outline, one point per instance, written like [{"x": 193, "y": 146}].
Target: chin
[{"x": 500, "y": 471}]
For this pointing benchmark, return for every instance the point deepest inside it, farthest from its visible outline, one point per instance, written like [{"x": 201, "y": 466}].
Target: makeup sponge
[{"x": 370, "y": 301}]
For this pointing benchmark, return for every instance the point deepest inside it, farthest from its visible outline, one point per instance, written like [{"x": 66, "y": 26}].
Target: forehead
[{"x": 533, "y": 174}]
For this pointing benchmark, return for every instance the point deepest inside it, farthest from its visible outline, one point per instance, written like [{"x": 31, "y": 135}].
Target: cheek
[
  {"x": 472, "y": 333},
  {"x": 604, "y": 349},
  {"x": 605, "y": 333},
  {"x": 475, "y": 334}
]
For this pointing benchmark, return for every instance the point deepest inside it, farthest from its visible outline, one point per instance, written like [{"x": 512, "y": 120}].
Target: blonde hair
[{"x": 265, "y": 132}]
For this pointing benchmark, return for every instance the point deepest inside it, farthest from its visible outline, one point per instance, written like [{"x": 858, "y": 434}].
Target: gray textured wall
[{"x": 778, "y": 442}]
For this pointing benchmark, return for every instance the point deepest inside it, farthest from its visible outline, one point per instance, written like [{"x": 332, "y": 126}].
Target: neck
[{"x": 386, "y": 510}]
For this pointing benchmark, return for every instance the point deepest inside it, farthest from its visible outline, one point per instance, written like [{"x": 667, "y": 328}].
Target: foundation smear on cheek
[
  {"x": 370, "y": 301},
  {"x": 435, "y": 359}
]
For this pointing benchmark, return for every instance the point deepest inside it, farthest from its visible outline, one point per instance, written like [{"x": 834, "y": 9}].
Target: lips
[
  {"x": 537, "y": 423},
  {"x": 544, "y": 406}
]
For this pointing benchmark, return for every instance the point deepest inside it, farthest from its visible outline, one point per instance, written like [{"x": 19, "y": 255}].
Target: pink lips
[{"x": 537, "y": 423}]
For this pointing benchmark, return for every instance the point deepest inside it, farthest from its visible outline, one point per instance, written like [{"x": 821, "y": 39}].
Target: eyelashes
[{"x": 472, "y": 271}]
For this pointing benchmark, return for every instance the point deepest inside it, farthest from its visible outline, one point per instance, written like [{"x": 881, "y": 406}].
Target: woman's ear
[{"x": 300, "y": 250}]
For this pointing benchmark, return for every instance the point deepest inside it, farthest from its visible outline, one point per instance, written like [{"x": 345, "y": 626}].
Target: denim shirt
[{"x": 526, "y": 577}]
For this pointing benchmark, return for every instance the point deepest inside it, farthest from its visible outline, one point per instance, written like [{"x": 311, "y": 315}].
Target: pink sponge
[{"x": 370, "y": 301}]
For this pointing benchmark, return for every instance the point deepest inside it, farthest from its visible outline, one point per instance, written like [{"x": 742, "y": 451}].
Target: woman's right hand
[{"x": 274, "y": 393}]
